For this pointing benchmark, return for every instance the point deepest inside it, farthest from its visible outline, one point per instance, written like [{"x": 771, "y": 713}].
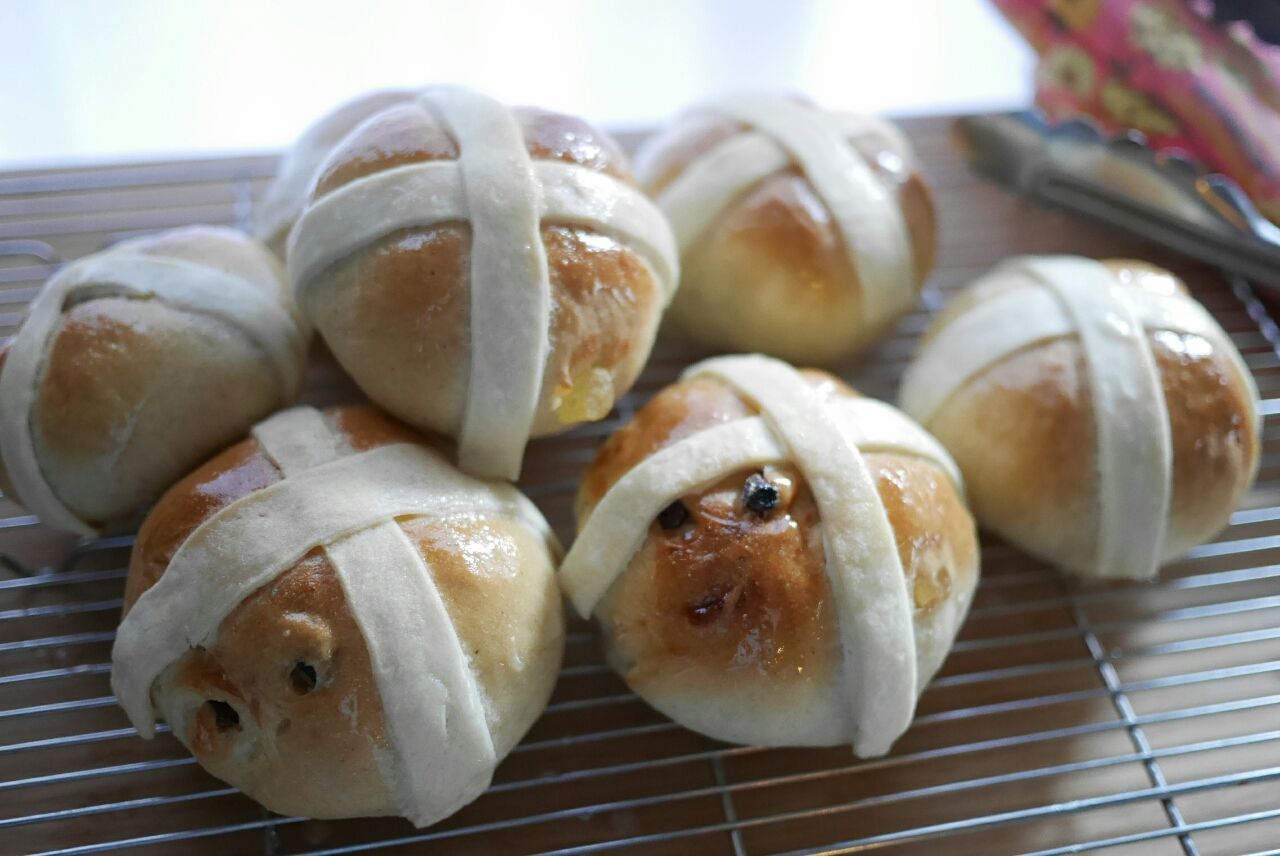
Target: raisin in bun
[
  {"x": 803, "y": 233},
  {"x": 331, "y": 601},
  {"x": 286, "y": 196},
  {"x": 489, "y": 273},
  {"x": 135, "y": 364},
  {"x": 774, "y": 559},
  {"x": 1102, "y": 418}
]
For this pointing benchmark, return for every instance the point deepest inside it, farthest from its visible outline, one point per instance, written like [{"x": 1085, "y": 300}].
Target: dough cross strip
[
  {"x": 183, "y": 285},
  {"x": 506, "y": 196},
  {"x": 348, "y": 505},
  {"x": 784, "y": 132},
  {"x": 826, "y": 439},
  {"x": 1081, "y": 297}
]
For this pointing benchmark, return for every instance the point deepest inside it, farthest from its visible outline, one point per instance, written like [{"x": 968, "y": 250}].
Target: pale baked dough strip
[
  {"x": 868, "y": 217},
  {"x": 510, "y": 283},
  {"x": 870, "y": 220},
  {"x": 610, "y": 537},
  {"x": 868, "y": 584},
  {"x": 506, "y": 196},
  {"x": 876, "y": 427},
  {"x": 576, "y": 196},
  {"x": 1134, "y": 449},
  {"x": 297, "y": 440},
  {"x": 857, "y": 125},
  {"x": 364, "y": 210},
  {"x": 443, "y": 753},
  {"x": 620, "y": 521},
  {"x": 714, "y": 180},
  {"x": 431, "y": 700},
  {"x": 185, "y": 286},
  {"x": 996, "y": 328},
  {"x": 976, "y": 340},
  {"x": 297, "y": 172},
  {"x": 430, "y": 193},
  {"x": 650, "y": 162},
  {"x": 867, "y": 579}
]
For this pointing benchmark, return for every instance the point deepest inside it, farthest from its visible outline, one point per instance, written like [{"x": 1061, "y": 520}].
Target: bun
[
  {"x": 1102, "y": 418},
  {"x": 803, "y": 233},
  {"x": 331, "y": 602},
  {"x": 135, "y": 364},
  {"x": 483, "y": 272},
  {"x": 774, "y": 559}
]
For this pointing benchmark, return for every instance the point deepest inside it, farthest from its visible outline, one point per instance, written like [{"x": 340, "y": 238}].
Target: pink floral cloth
[{"x": 1162, "y": 67}]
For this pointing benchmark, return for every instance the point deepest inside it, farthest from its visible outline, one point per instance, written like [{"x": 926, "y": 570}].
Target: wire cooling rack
[{"x": 1136, "y": 719}]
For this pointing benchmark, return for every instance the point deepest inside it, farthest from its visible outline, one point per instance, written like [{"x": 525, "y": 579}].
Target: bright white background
[{"x": 103, "y": 79}]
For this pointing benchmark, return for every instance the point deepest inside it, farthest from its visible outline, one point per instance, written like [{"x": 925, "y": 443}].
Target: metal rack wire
[{"x": 1126, "y": 718}]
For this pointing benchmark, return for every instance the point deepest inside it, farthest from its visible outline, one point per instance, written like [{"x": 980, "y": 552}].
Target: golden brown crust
[
  {"x": 131, "y": 393},
  {"x": 1034, "y": 408},
  {"x": 297, "y": 729},
  {"x": 735, "y": 592},
  {"x": 728, "y": 592},
  {"x": 937, "y": 544},
  {"x": 676, "y": 412},
  {"x": 555, "y": 136},
  {"x": 779, "y": 244},
  {"x": 236, "y": 472},
  {"x": 1023, "y": 433},
  {"x": 722, "y": 593},
  {"x": 1215, "y": 448},
  {"x": 599, "y": 343},
  {"x": 899, "y": 170},
  {"x": 398, "y": 311},
  {"x": 96, "y": 359},
  {"x": 498, "y": 584},
  {"x": 364, "y": 427},
  {"x": 292, "y": 664},
  {"x": 400, "y": 135}
]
